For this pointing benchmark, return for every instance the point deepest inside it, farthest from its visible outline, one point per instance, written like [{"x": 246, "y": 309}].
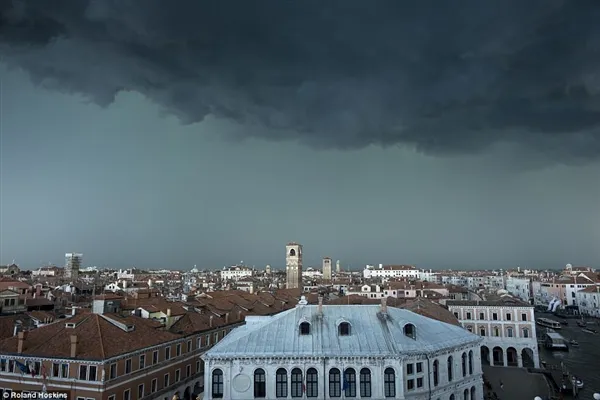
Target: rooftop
[{"x": 373, "y": 333}]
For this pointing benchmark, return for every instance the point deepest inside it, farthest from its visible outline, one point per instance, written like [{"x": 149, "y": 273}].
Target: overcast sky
[{"x": 177, "y": 137}]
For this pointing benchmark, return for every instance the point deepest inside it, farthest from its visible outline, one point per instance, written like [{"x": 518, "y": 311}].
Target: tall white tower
[
  {"x": 337, "y": 266},
  {"x": 327, "y": 268},
  {"x": 293, "y": 265}
]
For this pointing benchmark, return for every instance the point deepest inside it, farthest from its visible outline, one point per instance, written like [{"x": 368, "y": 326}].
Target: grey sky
[
  {"x": 128, "y": 187},
  {"x": 426, "y": 133}
]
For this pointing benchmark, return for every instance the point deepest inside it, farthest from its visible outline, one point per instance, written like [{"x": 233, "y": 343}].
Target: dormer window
[
  {"x": 305, "y": 328},
  {"x": 344, "y": 329},
  {"x": 410, "y": 331}
]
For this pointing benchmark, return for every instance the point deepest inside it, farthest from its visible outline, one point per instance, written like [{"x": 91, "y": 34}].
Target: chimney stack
[
  {"x": 239, "y": 314},
  {"x": 38, "y": 290},
  {"x": 21, "y": 343},
  {"x": 73, "y": 346},
  {"x": 384, "y": 305},
  {"x": 73, "y": 310},
  {"x": 210, "y": 322},
  {"x": 320, "y": 307},
  {"x": 226, "y": 318},
  {"x": 168, "y": 312}
]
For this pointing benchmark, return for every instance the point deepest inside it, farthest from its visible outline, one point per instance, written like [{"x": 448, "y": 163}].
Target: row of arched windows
[
  {"x": 466, "y": 364},
  {"x": 338, "y": 382},
  {"x": 496, "y": 331},
  {"x": 298, "y": 387}
]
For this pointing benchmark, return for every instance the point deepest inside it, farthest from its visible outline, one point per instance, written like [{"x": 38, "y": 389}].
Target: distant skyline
[{"x": 163, "y": 136}]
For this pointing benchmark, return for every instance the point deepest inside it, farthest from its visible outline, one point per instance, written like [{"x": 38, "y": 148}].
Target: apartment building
[
  {"x": 507, "y": 325},
  {"x": 108, "y": 356},
  {"x": 236, "y": 272},
  {"x": 588, "y": 300},
  {"x": 12, "y": 296}
]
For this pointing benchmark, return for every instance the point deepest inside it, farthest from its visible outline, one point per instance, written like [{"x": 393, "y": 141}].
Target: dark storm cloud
[{"x": 446, "y": 77}]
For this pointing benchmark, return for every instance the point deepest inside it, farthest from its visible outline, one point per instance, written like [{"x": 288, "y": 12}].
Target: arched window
[
  {"x": 436, "y": 372},
  {"x": 335, "y": 384},
  {"x": 496, "y": 331},
  {"x": 217, "y": 384},
  {"x": 344, "y": 329},
  {"x": 350, "y": 382},
  {"x": 451, "y": 397},
  {"x": 365, "y": 382},
  {"x": 312, "y": 383},
  {"x": 281, "y": 384},
  {"x": 466, "y": 394},
  {"x": 410, "y": 331},
  {"x": 305, "y": 328},
  {"x": 470, "y": 328},
  {"x": 296, "y": 383},
  {"x": 450, "y": 368},
  {"x": 292, "y": 253},
  {"x": 389, "y": 382},
  {"x": 260, "y": 384},
  {"x": 470, "y": 362},
  {"x": 509, "y": 332},
  {"x": 525, "y": 332},
  {"x": 464, "y": 364},
  {"x": 482, "y": 331},
  {"x": 473, "y": 393}
]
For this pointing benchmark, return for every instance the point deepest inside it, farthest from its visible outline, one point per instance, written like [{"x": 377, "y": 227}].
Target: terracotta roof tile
[{"x": 97, "y": 338}]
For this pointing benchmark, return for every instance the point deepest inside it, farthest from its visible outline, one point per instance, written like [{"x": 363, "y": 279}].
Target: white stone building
[
  {"x": 235, "y": 272},
  {"x": 519, "y": 287},
  {"x": 391, "y": 271},
  {"x": 507, "y": 326},
  {"x": 588, "y": 300},
  {"x": 359, "y": 351}
]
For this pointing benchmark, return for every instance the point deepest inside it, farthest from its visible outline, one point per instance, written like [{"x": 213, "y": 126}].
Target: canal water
[{"x": 582, "y": 361}]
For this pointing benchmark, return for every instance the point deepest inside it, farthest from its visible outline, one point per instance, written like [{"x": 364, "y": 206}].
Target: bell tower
[
  {"x": 327, "y": 268},
  {"x": 293, "y": 265}
]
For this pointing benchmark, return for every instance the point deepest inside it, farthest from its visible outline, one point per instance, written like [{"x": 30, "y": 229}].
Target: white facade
[
  {"x": 312, "y": 273},
  {"x": 588, "y": 300},
  {"x": 383, "y": 353},
  {"x": 391, "y": 271},
  {"x": 508, "y": 330},
  {"x": 519, "y": 287},
  {"x": 236, "y": 272}
]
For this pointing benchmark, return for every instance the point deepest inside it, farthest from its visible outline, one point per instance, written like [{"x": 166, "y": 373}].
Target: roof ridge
[{"x": 100, "y": 336}]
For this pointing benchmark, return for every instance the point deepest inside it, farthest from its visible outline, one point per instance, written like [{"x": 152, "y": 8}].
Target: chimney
[
  {"x": 73, "y": 346},
  {"x": 168, "y": 312},
  {"x": 16, "y": 329},
  {"x": 320, "y": 306},
  {"x": 226, "y": 318},
  {"x": 21, "y": 342},
  {"x": 210, "y": 322},
  {"x": 384, "y": 305},
  {"x": 240, "y": 314},
  {"x": 73, "y": 310},
  {"x": 38, "y": 290}
]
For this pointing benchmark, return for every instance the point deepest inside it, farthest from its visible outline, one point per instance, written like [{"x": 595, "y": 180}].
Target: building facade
[
  {"x": 327, "y": 352},
  {"x": 293, "y": 266},
  {"x": 236, "y": 272},
  {"x": 104, "y": 355},
  {"x": 588, "y": 300},
  {"x": 507, "y": 327}
]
